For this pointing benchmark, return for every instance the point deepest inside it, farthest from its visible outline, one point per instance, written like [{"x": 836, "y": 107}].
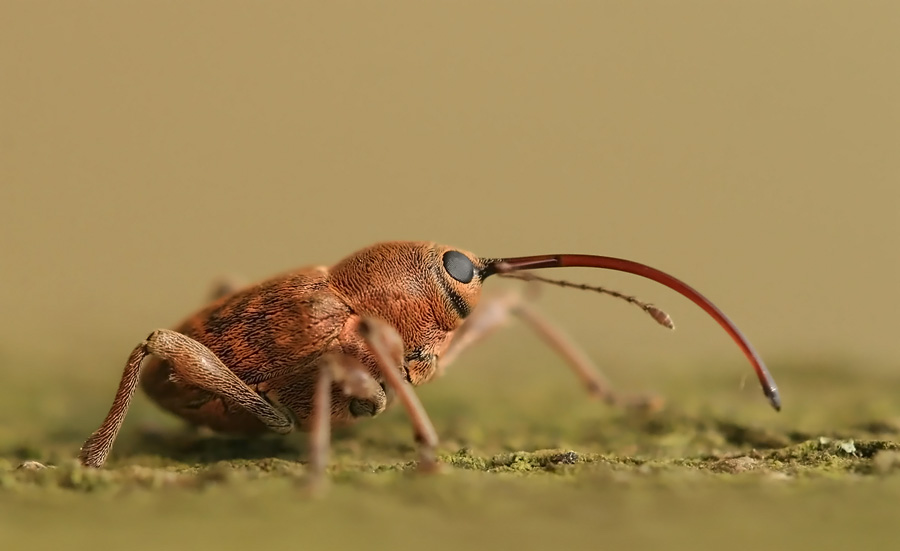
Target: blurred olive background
[
  {"x": 147, "y": 148},
  {"x": 748, "y": 148}
]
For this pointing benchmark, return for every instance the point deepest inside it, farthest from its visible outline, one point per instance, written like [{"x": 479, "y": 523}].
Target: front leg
[
  {"x": 192, "y": 363},
  {"x": 386, "y": 346}
]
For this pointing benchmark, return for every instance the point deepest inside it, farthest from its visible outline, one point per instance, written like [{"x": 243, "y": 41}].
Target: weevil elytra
[{"x": 327, "y": 346}]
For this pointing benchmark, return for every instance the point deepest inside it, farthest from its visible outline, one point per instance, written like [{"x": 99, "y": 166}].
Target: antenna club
[{"x": 661, "y": 317}]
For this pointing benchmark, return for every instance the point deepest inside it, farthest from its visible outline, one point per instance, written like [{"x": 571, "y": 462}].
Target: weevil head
[{"x": 423, "y": 289}]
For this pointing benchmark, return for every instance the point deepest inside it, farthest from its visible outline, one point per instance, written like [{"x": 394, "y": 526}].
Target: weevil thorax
[{"x": 424, "y": 290}]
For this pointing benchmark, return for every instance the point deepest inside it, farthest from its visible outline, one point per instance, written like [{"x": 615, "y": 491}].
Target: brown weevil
[{"x": 324, "y": 346}]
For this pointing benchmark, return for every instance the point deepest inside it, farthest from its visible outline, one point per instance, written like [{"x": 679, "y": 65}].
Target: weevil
[{"x": 321, "y": 347}]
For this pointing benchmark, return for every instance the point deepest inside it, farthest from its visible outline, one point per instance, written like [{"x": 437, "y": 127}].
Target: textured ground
[{"x": 529, "y": 464}]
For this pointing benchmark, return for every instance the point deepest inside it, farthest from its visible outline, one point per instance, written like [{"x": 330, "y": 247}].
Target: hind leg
[{"x": 191, "y": 363}]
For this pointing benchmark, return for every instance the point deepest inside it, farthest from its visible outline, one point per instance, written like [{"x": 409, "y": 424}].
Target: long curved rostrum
[{"x": 505, "y": 265}]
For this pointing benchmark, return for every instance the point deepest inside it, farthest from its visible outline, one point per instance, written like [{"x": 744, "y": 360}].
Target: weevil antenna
[{"x": 655, "y": 312}]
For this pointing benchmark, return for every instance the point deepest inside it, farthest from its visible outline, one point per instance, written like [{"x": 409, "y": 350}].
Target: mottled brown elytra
[{"x": 326, "y": 346}]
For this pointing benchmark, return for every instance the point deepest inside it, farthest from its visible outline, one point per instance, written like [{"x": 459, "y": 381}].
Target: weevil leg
[
  {"x": 320, "y": 429},
  {"x": 387, "y": 348},
  {"x": 492, "y": 313},
  {"x": 354, "y": 380},
  {"x": 192, "y": 363},
  {"x": 224, "y": 286},
  {"x": 495, "y": 311}
]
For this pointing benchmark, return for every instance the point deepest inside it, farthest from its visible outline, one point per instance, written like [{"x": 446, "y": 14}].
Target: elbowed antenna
[{"x": 503, "y": 265}]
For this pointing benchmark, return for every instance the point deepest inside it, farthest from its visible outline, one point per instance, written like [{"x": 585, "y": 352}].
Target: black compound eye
[{"x": 459, "y": 266}]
